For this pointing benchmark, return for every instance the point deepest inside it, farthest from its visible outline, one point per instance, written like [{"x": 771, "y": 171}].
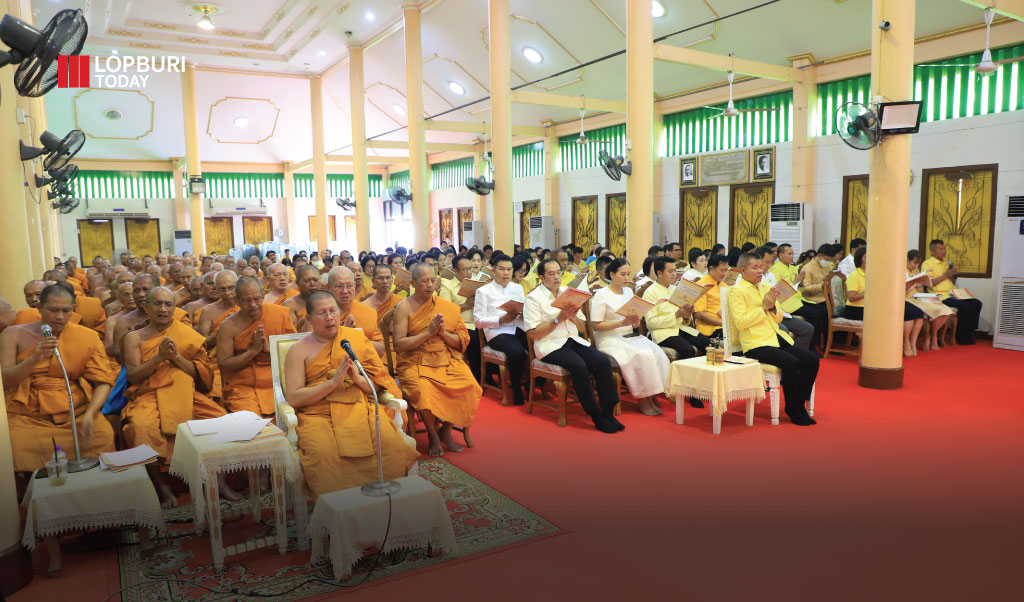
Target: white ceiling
[{"x": 257, "y": 62}]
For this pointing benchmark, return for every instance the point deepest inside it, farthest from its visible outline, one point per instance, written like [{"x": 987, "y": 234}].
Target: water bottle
[{"x": 61, "y": 456}]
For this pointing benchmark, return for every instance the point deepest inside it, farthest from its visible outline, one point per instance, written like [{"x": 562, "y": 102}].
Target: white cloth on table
[
  {"x": 643, "y": 364},
  {"x": 93, "y": 499},
  {"x": 353, "y": 522},
  {"x": 718, "y": 385},
  {"x": 197, "y": 459},
  {"x": 538, "y": 310}
]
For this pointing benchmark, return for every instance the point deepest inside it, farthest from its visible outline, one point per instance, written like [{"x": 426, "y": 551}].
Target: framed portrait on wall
[
  {"x": 687, "y": 172},
  {"x": 764, "y": 163}
]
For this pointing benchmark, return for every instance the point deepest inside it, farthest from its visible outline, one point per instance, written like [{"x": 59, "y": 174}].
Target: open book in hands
[
  {"x": 922, "y": 279},
  {"x": 469, "y": 286},
  {"x": 686, "y": 293},
  {"x": 511, "y": 307},
  {"x": 403, "y": 277},
  {"x": 785, "y": 289},
  {"x": 961, "y": 293},
  {"x": 571, "y": 297},
  {"x": 635, "y": 307},
  {"x": 447, "y": 274},
  {"x": 731, "y": 277}
]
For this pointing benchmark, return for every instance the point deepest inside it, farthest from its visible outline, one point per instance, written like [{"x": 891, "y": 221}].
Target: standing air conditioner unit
[
  {"x": 473, "y": 234},
  {"x": 182, "y": 241},
  {"x": 791, "y": 223},
  {"x": 542, "y": 231},
  {"x": 1010, "y": 308}
]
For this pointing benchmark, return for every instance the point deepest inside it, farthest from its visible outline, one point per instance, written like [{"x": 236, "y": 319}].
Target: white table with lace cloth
[
  {"x": 715, "y": 385},
  {"x": 345, "y": 523}
]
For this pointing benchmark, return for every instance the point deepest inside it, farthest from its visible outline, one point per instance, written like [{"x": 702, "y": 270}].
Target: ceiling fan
[
  {"x": 345, "y": 203},
  {"x": 583, "y": 135},
  {"x": 730, "y": 109},
  {"x": 986, "y": 66}
]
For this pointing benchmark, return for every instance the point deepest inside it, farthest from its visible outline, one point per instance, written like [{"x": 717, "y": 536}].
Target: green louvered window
[
  {"x": 528, "y": 160},
  {"x": 402, "y": 179},
  {"x": 581, "y": 156},
  {"x": 338, "y": 185},
  {"x": 703, "y": 130},
  {"x": 450, "y": 174},
  {"x": 97, "y": 184},
  {"x": 244, "y": 185}
]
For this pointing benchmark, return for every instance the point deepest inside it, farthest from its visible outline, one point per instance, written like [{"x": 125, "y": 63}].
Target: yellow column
[
  {"x": 417, "y": 137},
  {"x": 480, "y": 202},
  {"x": 195, "y": 201},
  {"x": 658, "y": 133},
  {"x": 550, "y": 175},
  {"x": 33, "y": 197},
  {"x": 316, "y": 104},
  {"x": 290, "y": 216},
  {"x": 15, "y": 241},
  {"x": 180, "y": 207},
  {"x": 501, "y": 125},
  {"x": 361, "y": 186},
  {"x": 639, "y": 128},
  {"x": 892, "y": 66},
  {"x": 48, "y": 218},
  {"x": 805, "y": 102}
]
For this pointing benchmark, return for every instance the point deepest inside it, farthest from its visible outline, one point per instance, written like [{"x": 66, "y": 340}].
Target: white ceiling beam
[
  {"x": 378, "y": 160},
  {"x": 573, "y": 102},
  {"x": 1008, "y": 8},
  {"x": 431, "y": 146},
  {"x": 717, "y": 62},
  {"x": 480, "y": 128}
]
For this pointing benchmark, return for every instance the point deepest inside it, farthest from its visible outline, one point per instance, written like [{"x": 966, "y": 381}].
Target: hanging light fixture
[{"x": 205, "y": 22}]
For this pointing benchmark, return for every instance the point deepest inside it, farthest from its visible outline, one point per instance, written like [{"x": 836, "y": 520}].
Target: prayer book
[
  {"x": 469, "y": 286},
  {"x": 447, "y": 274},
  {"x": 732, "y": 359},
  {"x": 785, "y": 289},
  {"x": 927, "y": 297},
  {"x": 923, "y": 279},
  {"x": 686, "y": 293},
  {"x": 731, "y": 277},
  {"x": 240, "y": 430},
  {"x": 511, "y": 306},
  {"x": 136, "y": 456},
  {"x": 487, "y": 270},
  {"x": 635, "y": 307},
  {"x": 213, "y": 425},
  {"x": 961, "y": 293},
  {"x": 403, "y": 277},
  {"x": 572, "y": 297}
]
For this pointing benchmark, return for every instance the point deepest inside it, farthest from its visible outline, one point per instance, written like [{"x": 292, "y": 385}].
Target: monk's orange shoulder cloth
[
  {"x": 365, "y": 318},
  {"x": 92, "y": 312},
  {"x": 180, "y": 315},
  {"x": 288, "y": 294},
  {"x": 252, "y": 387},
  {"x": 388, "y": 305}
]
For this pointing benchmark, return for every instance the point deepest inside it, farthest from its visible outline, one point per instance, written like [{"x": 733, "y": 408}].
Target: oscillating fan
[
  {"x": 59, "y": 150},
  {"x": 986, "y": 66},
  {"x": 66, "y": 205},
  {"x": 480, "y": 185},
  {"x": 58, "y": 176},
  {"x": 857, "y": 125},
  {"x": 615, "y": 166},
  {"x": 35, "y": 52},
  {"x": 399, "y": 195},
  {"x": 345, "y": 203}
]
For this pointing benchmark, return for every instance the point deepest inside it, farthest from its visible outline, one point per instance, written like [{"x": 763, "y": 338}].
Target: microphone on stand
[
  {"x": 78, "y": 464},
  {"x": 380, "y": 487}
]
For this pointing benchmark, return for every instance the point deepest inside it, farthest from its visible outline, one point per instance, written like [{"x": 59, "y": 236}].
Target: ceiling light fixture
[
  {"x": 532, "y": 55},
  {"x": 241, "y": 122},
  {"x": 114, "y": 51},
  {"x": 113, "y": 114},
  {"x": 321, "y": 53},
  {"x": 398, "y": 109},
  {"x": 657, "y": 9},
  {"x": 456, "y": 87},
  {"x": 370, "y": 16},
  {"x": 205, "y": 22}
]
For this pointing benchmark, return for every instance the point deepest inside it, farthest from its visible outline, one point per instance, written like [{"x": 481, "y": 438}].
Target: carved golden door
[
  {"x": 855, "y": 209},
  {"x": 95, "y": 237},
  {"x": 749, "y": 213},
  {"x": 615, "y": 226},
  {"x": 584, "y": 221},
  {"x": 530, "y": 209},
  {"x": 220, "y": 235},
  {"x": 698, "y": 217},
  {"x": 444, "y": 221},
  {"x": 256, "y": 230},
  {"x": 143, "y": 236},
  {"x": 958, "y": 207},
  {"x": 351, "y": 233},
  {"x": 332, "y": 228},
  {"x": 465, "y": 215}
]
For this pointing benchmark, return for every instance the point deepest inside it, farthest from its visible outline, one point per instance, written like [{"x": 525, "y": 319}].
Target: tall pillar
[
  {"x": 290, "y": 212},
  {"x": 48, "y": 218},
  {"x": 658, "y": 125},
  {"x": 316, "y": 105},
  {"x": 480, "y": 202},
  {"x": 361, "y": 187},
  {"x": 639, "y": 128},
  {"x": 501, "y": 124},
  {"x": 417, "y": 135},
  {"x": 33, "y": 197},
  {"x": 805, "y": 102},
  {"x": 892, "y": 67},
  {"x": 195, "y": 201},
  {"x": 551, "y": 175},
  {"x": 180, "y": 206}
]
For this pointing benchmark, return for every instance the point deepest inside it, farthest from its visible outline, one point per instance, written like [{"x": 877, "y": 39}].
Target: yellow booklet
[
  {"x": 635, "y": 307},
  {"x": 571, "y": 297},
  {"x": 447, "y": 274},
  {"x": 785, "y": 289},
  {"x": 731, "y": 277},
  {"x": 403, "y": 277},
  {"x": 686, "y": 293},
  {"x": 961, "y": 293},
  {"x": 468, "y": 288}
]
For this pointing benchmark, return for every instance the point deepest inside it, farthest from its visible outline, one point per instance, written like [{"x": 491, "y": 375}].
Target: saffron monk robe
[
  {"x": 208, "y": 294},
  {"x": 277, "y": 277},
  {"x": 307, "y": 280},
  {"x": 213, "y": 315},
  {"x": 243, "y": 350},
  {"x": 430, "y": 338},
  {"x": 334, "y": 405},
  {"x": 34, "y": 387},
  {"x": 354, "y": 314},
  {"x": 382, "y": 300},
  {"x": 169, "y": 375}
]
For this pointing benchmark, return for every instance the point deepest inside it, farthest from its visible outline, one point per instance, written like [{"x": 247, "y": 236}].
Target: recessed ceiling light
[
  {"x": 657, "y": 9},
  {"x": 321, "y": 53},
  {"x": 398, "y": 109},
  {"x": 370, "y": 16},
  {"x": 113, "y": 114},
  {"x": 456, "y": 87},
  {"x": 241, "y": 122},
  {"x": 532, "y": 55},
  {"x": 114, "y": 51}
]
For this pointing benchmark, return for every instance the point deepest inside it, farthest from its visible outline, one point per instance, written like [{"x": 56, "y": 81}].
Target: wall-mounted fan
[
  {"x": 35, "y": 52},
  {"x": 615, "y": 166},
  {"x": 66, "y": 204},
  {"x": 58, "y": 150},
  {"x": 730, "y": 109},
  {"x": 399, "y": 195},
  {"x": 345, "y": 203},
  {"x": 480, "y": 185},
  {"x": 58, "y": 176},
  {"x": 583, "y": 135},
  {"x": 858, "y": 126},
  {"x": 986, "y": 66},
  {"x": 60, "y": 189}
]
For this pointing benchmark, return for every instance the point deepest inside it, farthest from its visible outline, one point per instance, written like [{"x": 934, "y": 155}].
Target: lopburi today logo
[{"x": 113, "y": 71}]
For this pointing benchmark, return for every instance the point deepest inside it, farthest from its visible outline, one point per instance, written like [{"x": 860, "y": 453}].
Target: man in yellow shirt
[
  {"x": 707, "y": 310},
  {"x": 943, "y": 275},
  {"x": 754, "y": 309}
]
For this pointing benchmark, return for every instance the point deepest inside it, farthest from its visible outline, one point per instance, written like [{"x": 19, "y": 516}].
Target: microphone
[
  {"x": 79, "y": 463},
  {"x": 348, "y": 349}
]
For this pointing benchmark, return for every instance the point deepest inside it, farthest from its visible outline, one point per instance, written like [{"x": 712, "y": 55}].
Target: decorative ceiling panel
[
  {"x": 114, "y": 114},
  {"x": 260, "y": 114}
]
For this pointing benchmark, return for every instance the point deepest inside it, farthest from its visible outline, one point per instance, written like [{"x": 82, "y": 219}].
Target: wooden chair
[
  {"x": 489, "y": 356},
  {"x": 616, "y": 371},
  {"x": 835, "y": 301}
]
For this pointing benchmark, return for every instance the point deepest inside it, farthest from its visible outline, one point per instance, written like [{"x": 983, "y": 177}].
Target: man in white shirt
[
  {"x": 501, "y": 330},
  {"x": 556, "y": 340},
  {"x": 846, "y": 266}
]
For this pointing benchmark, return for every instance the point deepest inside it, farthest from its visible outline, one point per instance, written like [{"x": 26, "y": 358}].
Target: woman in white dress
[{"x": 643, "y": 364}]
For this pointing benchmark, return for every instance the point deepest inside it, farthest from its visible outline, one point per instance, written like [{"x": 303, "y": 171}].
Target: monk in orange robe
[
  {"x": 334, "y": 405},
  {"x": 430, "y": 338},
  {"x": 169, "y": 374},
  {"x": 279, "y": 291},
  {"x": 243, "y": 349},
  {"x": 184, "y": 293},
  {"x": 71, "y": 265},
  {"x": 382, "y": 300},
  {"x": 207, "y": 294},
  {"x": 56, "y": 275},
  {"x": 354, "y": 314},
  {"x": 307, "y": 280},
  {"x": 34, "y": 387}
]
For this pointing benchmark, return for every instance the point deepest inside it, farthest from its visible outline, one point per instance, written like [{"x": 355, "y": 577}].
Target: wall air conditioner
[
  {"x": 107, "y": 208},
  {"x": 542, "y": 231},
  {"x": 792, "y": 223},
  {"x": 473, "y": 234},
  {"x": 1010, "y": 309},
  {"x": 237, "y": 207}
]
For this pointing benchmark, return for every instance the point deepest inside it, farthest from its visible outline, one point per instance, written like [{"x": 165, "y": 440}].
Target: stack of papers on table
[
  {"x": 237, "y": 426},
  {"x": 125, "y": 459}
]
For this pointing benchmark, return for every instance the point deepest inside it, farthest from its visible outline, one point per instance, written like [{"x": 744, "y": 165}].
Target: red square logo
[{"x": 73, "y": 71}]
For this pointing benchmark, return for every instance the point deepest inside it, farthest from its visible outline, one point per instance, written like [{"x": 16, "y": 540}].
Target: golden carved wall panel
[
  {"x": 958, "y": 207},
  {"x": 749, "y": 213},
  {"x": 530, "y": 209},
  {"x": 584, "y": 221},
  {"x": 465, "y": 215},
  {"x": 698, "y": 217},
  {"x": 855, "y": 209},
  {"x": 615, "y": 225},
  {"x": 445, "y": 226}
]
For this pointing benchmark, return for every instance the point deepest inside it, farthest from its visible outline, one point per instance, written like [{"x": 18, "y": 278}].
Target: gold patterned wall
[
  {"x": 143, "y": 236},
  {"x": 957, "y": 207},
  {"x": 530, "y": 209},
  {"x": 698, "y": 217},
  {"x": 584, "y": 221},
  {"x": 257, "y": 230},
  {"x": 444, "y": 221},
  {"x": 465, "y": 215},
  {"x": 219, "y": 235},
  {"x": 332, "y": 228},
  {"x": 855, "y": 209},
  {"x": 749, "y": 213},
  {"x": 615, "y": 228},
  {"x": 95, "y": 237}
]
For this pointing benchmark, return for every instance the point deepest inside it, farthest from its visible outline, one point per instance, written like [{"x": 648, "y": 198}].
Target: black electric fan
[
  {"x": 58, "y": 150},
  {"x": 35, "y": 52},
  {"x": 480, "y": 185},
  {"x": 66, "y": 204},
  {"x": 858, "y": 126},
  {"x": 58, "y": 176},
  {"x": 615, "y": 166},
  {"x": 399, "y": 195},
  {"x": 345, "y": 203}
]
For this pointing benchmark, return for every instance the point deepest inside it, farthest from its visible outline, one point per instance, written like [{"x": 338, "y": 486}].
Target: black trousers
[
  {"x": 968, "y": 312},
  {"x": 687, "y": 345},
  {"x": 516, "y": 355},
  {"x": 472, "y": 353},
  {"x": 582, "y": 361},
  {"x": 817, "y": 315},
  {"x": 799, "y": 370}
]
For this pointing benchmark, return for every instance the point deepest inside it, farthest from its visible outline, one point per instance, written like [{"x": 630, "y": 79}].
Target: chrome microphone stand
[
  {"x": 380, "y": 487},
  {"x": 78, "y": 464}
]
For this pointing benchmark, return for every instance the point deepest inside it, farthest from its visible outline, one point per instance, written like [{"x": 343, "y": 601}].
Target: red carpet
[{"x": 913, "y": 494}]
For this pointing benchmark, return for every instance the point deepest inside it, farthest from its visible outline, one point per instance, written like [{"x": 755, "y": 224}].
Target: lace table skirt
[{"x": 718, "y": 385}]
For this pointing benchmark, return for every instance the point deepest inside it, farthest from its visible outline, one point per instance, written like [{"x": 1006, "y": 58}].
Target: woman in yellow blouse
[
  {"x": 937, "y": 312},
  {"x": 913, "y": 318}
]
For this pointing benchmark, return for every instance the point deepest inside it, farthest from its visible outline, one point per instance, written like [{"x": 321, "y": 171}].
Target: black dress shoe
[
  {"x": 800, "y": 417},
  {"x": 695, "y": 402},
  {"x": 603, "y": 425},
  {"x": 615, "y": 421}
]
